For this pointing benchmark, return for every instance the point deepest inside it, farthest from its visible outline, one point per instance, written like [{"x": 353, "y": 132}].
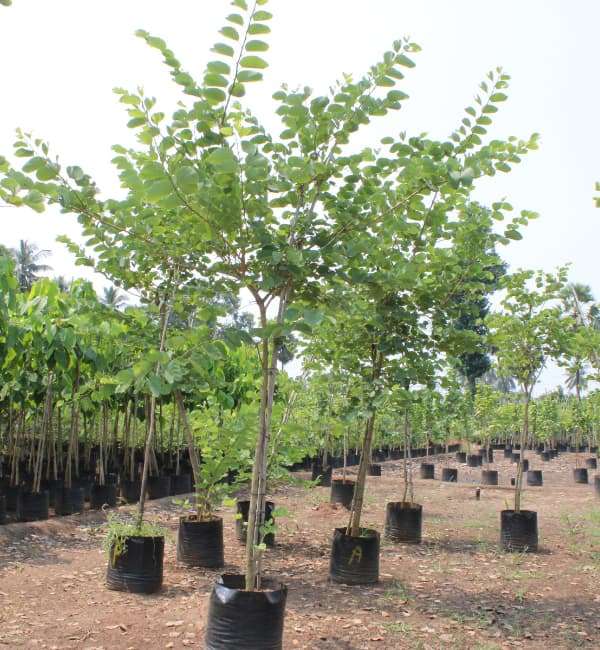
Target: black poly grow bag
[
  {"x": 12, "y": 494},
  {"x": 427, "y": 470},
  {"x": 321, "y": 475},
  {"x": 159, "y": 487},
  {"x": 450, "y": 474},
  {"x": 461, "y": 456},
  {"x": 546, "y": 456},
  {"x": 591, "y": 463},
  {"x": 534, "y": 478},
  {"x": 130, "y": 491},
  {"x": 69, "y": 501},
  {"x": 403, "y": 522},
  {"x": 342, "y": 492},
  {"x": 354, "y": 560},
  {"x": 580, "y": 475},
  {"x": 33, "y": 506},
  {"x": 597, "y": 485},
  {"x": 86, "y": 483},
  {"x": 102, "y": 495},
  {"x": 519, "y": 531},
  {"x": 486, "y": 455},
  {"x": 374, "y": 470},
  {"x": 489, "y": 477},
  {"x": 139, "y": 567},
  {"x": 245, "y": 620},
  {"x": 200, "y": 543},
  {"x": 2, "y": 510},
  {"x": 241, "y": 523},
  {"x": 508, "y": 452},
  {"x": 474, "y": 460},
  {"x": 53, "y": 486},
  {"x": 181, "y": 484}
]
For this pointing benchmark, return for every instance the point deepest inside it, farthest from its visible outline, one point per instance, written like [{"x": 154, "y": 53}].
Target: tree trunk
[
  {"x": 193, "y": 451},
  {"x": 524, "y": 432},
  {"x": 259, "y": 471},
  {"x": 165, "y": 313},
  {"x": 365, "y": 459},
  {"x": 359, "y": 488}
]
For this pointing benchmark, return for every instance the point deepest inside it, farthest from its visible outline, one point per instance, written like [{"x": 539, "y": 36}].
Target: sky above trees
[{"x": 62, "y": 60}]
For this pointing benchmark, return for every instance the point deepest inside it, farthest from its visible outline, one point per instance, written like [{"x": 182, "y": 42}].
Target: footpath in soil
[{"x": 456, "y": 590}]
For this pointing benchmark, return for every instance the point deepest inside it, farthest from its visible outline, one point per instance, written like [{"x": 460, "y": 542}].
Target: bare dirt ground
[{"x": 456, "y": 590}]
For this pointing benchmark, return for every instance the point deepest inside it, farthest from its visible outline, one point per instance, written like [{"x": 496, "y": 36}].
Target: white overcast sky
[{"x": 61, "y": 59}]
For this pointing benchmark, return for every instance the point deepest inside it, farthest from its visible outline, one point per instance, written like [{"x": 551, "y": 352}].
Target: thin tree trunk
[
  {"x": 193, "y": 451},
  {"x": 524, "y": 432},
  {"x": 259, "y": 470},
  {"x": 151, "y": 426},
  {"x": 365, "y": 459}
]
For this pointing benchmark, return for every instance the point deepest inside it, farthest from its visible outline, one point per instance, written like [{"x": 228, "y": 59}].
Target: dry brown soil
[{"x": 455, "y": 590}]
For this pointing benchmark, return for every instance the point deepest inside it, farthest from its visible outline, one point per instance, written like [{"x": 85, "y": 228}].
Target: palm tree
[
  {"x": 63, "y": 283},
  {"x": 499, "y": 382},
  {"x": 577, "y": 378},
  {"x": 112, "y": 298},
  {"x": 27, "y": 257}
]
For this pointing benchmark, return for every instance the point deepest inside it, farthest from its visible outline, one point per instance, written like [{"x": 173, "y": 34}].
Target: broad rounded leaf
[{"x": 254, "y": 62}]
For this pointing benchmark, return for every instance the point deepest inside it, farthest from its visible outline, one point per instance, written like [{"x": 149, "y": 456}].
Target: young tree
[{"x": 525, "y": 334}]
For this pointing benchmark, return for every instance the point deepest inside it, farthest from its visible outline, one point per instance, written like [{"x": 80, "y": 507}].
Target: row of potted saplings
[
  {"x": 200, "y": 537},
  {"x": 136, "y": 562},
  {"x": 534, "y": 477},
  {"x": 30, "y": 500}
]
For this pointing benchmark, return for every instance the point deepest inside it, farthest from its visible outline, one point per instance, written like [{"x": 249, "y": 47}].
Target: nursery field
[{"x": 455, "y": 590}]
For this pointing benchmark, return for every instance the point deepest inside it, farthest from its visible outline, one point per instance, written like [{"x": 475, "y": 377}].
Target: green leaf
[
  {"x": 187, "y": 179},
  {"x": 235, "y": 18},
  {"x": 218, "y": 67},
  {"x": 402, "y": 59},
  {"x": 237, "y": 90},
  {"x": 223, "y": 160},
  {"x": 155, "y": 385},
  {"x": 254, "y": 62},
  {"x": 247, "y": 76},
  {"x": 33, "y": 163},
  {"x": 513, "y": 234},
  {"x": 396, "y": 96},
  {"x": 222, "y": 48},
  {"x": 498, "y": 97},
  {"x": 262, "y": 15},
  {"x": 256, "y": 46},
  {"x": 214, "y": 95},
  {"x": 136, "y": 121},
  {"x": 217, "y": 80},
  {"x": 230, "y": 32},
  {"x": 312, "y": 317},
  {"x": 47, "y": 172},
  {"x": 157, "y": 190},
  {"x": 256, "y": 28}
]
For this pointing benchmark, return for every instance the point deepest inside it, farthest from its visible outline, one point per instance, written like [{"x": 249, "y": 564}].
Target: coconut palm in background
[
  {"x": 503, "y": 384},
  {"x": 28, "y": 263},
  {"x": 63, "y": 284},
  {"x": 579, "y": 304},
  {"x": 113, "y": 298}
]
